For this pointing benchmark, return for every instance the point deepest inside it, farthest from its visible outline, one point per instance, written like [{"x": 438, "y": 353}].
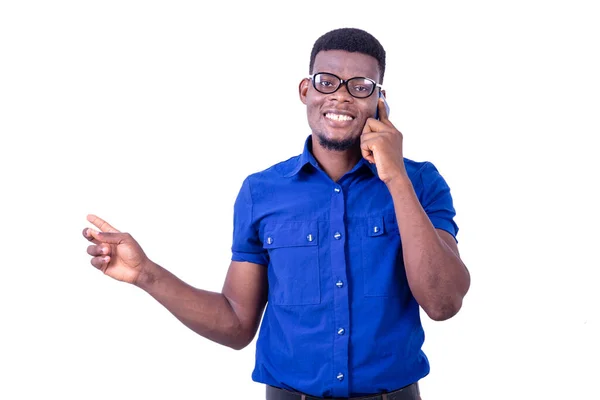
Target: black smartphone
[{"x": 387, "y": 107}]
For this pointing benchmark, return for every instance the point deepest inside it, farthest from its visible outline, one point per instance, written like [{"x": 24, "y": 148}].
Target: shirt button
[
  {"x": 340, "y": 376},
  {"x": 337, "y": 235},
  {"x": 269, "y": 240},
  {"x": 375, "y": 229},
  {"x": 341, "y": 331},
  {"x": 337, "y": 189},
  {"x": 339, "y": 284},
  {"x": 310, "y": 237}
]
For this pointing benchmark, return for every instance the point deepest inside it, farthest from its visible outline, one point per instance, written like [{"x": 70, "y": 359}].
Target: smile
[{"x": 338, "y": 117}]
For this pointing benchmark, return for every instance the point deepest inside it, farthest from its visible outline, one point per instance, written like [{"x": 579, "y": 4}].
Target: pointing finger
[{"x": 101, "y": 224}]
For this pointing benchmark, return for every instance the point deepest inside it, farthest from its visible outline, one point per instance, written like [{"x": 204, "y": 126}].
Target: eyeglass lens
[{"x": 357, "y": 87}]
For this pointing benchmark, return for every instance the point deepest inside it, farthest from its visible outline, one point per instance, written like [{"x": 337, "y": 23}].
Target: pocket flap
[
  {"x": 375, "y": 226},
  {"x": 291, "y": 234}
]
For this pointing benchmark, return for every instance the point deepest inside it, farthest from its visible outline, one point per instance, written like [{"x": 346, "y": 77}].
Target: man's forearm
[
  {"x": 207, "y": 313},
  {"x": 436, "y": 275}
]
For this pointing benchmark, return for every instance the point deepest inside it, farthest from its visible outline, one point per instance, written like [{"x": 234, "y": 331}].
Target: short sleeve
[
  {"x": 247, "y": 245},
  {"x": 437, "y": 200}
]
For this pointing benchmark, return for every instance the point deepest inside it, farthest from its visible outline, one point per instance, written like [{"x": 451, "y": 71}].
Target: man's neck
[{"x": 335, "y": 163}]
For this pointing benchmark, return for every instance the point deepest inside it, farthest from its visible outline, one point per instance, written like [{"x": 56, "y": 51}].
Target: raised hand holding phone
[{"x": 381, "y": 144}]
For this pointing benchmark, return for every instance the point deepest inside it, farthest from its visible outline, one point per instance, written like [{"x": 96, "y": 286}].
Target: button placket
[{"x": 337, "y": 240}]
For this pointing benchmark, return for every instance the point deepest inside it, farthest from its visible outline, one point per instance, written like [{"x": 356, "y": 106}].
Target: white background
[{"x": 150, "y": 114}]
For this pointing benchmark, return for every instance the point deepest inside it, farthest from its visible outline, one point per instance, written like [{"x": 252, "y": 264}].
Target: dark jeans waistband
[{"x": 410, "y": 392}]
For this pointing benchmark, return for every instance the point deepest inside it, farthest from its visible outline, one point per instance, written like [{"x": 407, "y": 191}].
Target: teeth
[{"x": 338, "y": 117}]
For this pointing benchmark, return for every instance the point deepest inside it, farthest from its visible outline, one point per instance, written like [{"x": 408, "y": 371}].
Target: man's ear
[{"x": 303, "y": 89}]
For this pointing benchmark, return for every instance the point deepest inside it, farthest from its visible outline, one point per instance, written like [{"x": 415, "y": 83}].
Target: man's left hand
[{"x": 381, "y": 143}]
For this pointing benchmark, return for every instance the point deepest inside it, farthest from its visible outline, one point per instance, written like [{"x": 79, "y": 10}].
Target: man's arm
[
  {"x": 230, "y": 318},
  {"x": 435, "y": 272}
]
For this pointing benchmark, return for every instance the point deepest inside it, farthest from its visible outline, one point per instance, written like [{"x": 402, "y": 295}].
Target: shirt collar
[
  {"x": 372, "y": 167},
  {"x": 307, "y": 158}
]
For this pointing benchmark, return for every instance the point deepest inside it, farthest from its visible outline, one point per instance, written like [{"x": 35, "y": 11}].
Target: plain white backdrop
[{"x": 150, "y": 114}]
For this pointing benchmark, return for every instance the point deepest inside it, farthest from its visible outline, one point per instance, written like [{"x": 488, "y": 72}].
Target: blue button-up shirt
[{"x": 340, "y": 319}]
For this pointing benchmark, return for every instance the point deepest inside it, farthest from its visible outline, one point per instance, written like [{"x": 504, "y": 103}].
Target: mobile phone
[{"x": 387, "y": 107}]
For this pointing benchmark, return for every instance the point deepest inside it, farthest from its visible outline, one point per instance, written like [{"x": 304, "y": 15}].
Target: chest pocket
[
  {"x": 294, "y": 262},
  {"x": 382, "y": 263}
]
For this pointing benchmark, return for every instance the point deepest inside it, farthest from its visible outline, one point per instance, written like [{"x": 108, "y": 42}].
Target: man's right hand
[
  {"x": 230, "y": 317},
  {"x": 116, "y": 254}
]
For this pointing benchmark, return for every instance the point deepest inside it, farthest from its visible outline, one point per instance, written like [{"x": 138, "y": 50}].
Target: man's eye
[{"x": 326, "y": 83}]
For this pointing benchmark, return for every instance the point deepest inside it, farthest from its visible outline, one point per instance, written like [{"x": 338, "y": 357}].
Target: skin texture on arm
[
  {"x": 230, "y": 318},
  {"x": 437, "y": 277}
]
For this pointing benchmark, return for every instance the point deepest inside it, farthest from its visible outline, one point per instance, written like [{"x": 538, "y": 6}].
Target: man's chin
[{"x": 337, "y": 144}]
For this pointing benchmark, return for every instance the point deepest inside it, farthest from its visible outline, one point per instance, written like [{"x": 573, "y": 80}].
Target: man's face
[{"x": 337, "y": 119}]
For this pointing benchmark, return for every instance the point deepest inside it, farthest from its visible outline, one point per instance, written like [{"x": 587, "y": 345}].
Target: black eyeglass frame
[{"x": 345, "y": 82}]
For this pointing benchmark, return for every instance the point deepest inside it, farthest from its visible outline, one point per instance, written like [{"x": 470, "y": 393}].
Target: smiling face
[{"x": 337, "y": 119}]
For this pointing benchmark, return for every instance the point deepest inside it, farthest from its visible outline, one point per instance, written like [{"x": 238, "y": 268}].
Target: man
[{"x": 342, "y": 244}]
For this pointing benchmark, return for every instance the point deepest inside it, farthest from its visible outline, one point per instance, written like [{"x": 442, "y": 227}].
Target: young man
[{"x": 342, "y": 244}]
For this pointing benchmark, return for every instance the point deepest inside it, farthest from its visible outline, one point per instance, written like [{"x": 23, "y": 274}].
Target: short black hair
[{"x": 352, "y": 40}]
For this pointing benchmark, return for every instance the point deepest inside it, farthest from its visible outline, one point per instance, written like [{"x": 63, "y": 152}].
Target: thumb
[{"x": 108, "y": 237}]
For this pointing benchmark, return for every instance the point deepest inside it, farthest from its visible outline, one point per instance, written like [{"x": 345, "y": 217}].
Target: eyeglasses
[{"x": 359, "y": 87}]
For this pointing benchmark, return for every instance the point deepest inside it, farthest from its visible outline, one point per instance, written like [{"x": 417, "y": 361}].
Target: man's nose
[{"x": 342, "y": 94}]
